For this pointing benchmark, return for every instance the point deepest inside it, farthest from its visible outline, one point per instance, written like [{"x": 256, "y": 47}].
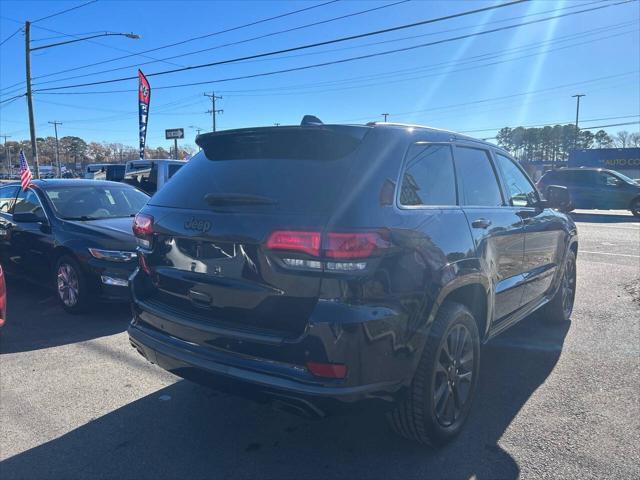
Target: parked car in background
[
  {"x": 596, "y": 188},
  {"x": 329, "y": 266},
  {"x": 72, "y": 235},
  {"x": 151, "y": 175},
  {"x": 3, "y": 298}
]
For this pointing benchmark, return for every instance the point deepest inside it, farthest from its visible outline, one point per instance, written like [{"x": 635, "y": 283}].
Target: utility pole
[
  {"x": 27, "y": 52},
  {"x": 32, "y": 123},
  {"x": 6, "y": 152},
  {"x": 385, "y": 115},
  {"x": 213, "y": 110},
  {"x": 577, "y": 97},
  {"x": 55, "y": 128}
]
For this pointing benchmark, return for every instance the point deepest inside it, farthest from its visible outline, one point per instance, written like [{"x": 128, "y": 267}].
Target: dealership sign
[{"x": 613, "y": 158}]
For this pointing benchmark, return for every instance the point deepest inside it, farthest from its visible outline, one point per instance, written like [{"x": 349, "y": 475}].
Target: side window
[
  {"x": 428, "y": 177},
  {"x": 8, "y": 198},
  {"x": 582, "y": 178},
  {"x": 608, "y": 180},
  {"x": 173, "y": 169},
  {"x": 520, "y": 191},
  {"x": 28, "y": 202},
  {"x": 477, "y": 178}
]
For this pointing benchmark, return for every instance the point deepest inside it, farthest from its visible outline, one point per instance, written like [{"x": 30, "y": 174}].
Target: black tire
[
  {"x": 560, "y": 307},
  {"x": 635, "y": 207},
  {"x": 420, "y": 416},
  {"x": 68, "y": 272}
]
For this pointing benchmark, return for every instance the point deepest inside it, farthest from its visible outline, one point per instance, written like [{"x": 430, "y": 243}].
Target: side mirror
[
  {"x": 26, "y": 217},
  {"x": 558, "y": 197}
]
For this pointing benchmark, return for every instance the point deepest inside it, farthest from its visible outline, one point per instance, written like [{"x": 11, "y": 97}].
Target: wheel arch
[{"x": 474, "y": 292}]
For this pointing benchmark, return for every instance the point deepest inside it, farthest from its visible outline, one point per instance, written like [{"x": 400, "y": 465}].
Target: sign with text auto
[{"x": 173, "y": 133}]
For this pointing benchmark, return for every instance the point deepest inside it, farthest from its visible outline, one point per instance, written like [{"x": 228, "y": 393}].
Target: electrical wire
[
  {"x": 64, "y": 11},
  {"x": 10, "y": 36},
  {"x": 335, "y": 62},
  {"x": 311, "y": 45},
  {"x": 229, "y": 44},
  {"x": 193, "y": 39}
]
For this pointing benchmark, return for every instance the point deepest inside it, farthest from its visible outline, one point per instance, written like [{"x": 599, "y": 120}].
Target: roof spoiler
[{"x": 310, "y": 120}]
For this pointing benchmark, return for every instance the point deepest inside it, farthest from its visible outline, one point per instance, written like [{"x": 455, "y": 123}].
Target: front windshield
[{"x": 90, "y": 202}]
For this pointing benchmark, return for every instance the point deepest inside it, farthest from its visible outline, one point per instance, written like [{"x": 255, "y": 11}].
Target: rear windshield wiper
[{"x": 224, "y": 199}]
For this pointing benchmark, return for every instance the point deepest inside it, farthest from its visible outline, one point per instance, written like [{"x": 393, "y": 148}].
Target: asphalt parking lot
[{"x": 76, "y": 401}]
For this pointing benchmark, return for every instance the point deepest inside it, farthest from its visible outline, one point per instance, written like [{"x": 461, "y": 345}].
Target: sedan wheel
[
  {"x": 569, "y": 286},
  {"x": 635, "y": 207},
  {"x": 68, "y": 285}
]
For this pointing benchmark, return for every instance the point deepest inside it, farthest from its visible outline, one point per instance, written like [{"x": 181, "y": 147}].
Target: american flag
[{"x": 25, "y": 172}]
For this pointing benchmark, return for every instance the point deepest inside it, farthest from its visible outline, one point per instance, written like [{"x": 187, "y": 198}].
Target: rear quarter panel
[{"x": 432, "y": 250}]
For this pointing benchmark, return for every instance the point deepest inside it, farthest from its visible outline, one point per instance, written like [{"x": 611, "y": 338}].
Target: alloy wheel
[
  {"x": 68, "y": 289},
  {"x": 453, "y": 376},
  {"x": 568, "y": 287}
]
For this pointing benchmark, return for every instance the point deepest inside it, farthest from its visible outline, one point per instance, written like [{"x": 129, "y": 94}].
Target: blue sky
[{"x": 520, "y": 76}]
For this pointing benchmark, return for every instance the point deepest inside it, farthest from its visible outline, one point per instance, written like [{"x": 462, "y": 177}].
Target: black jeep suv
[{"x": 327, "y": 266}]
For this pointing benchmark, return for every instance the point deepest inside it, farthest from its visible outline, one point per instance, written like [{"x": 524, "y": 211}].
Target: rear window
[{"x": 293, "y": 170}]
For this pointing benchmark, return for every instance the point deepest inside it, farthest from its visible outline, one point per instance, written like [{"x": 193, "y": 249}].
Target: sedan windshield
[{"x": 88, "y": 202}]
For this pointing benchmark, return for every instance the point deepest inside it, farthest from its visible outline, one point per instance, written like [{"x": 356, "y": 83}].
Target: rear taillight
[
  {"x": 353, "y": 245},
  {"x": 327, "y": 370},
  {"x": 294, "y": 241},
  {"x": 339, "y": 248},
  {"x": 143, "y": 229}
]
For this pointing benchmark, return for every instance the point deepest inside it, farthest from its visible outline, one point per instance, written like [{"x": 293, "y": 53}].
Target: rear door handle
[{"x": 481, "y": 223}]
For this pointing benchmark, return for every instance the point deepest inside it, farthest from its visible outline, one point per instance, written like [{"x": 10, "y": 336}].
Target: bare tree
[
  {"x": 621, "y": 139},
  {"x": 634, "y": 139}
]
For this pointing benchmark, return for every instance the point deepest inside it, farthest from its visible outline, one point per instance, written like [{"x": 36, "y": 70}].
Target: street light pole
[
  {"x": 55, "y": 128},
  {"x": 385, "y": 115},
  {"x": 27, "y": 51}
]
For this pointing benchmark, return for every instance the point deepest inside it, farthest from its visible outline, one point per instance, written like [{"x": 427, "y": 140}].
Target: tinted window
[
  {"x": 579, "y": 178},
  {"x": 520, "y": 191},
  {"x": 173, "y": 168},
  {"x": 28, "y": 202},
  {"x": 477, "y": 178},
  {"x": 8, "y": 198},
  {"x": 92, "y": 202},
  {"x": 608, "y": 180},
  {"x": 428, "y": 178},
  {"x": 146, "y": 179},
  {"x": 294, "y": 171}
]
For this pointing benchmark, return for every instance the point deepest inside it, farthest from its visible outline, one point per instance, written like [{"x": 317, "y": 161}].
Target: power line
[
  {"x": 200, "y": 37},
  {"x": 301, "y": 47},
  {"x": 396, "y": 72},
  {"x": 64, "y": 11},
  {"x": 10, "y": 36},
  {"x": 238, "y": 42},
  {"x": 335, "y": 62}
]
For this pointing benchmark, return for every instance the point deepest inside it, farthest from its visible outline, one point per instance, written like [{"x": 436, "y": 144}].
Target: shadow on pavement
[
  {"x": 36, "y": 320},
  {"x": 187, "y": 431},
  {"x": 603, "y": 218}
]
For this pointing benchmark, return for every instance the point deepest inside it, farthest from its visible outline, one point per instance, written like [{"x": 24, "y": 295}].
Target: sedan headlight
[{"x": 113, "y": 255}]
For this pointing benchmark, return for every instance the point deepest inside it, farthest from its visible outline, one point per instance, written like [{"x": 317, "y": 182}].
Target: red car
[{"x": 3, "y": 298}]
